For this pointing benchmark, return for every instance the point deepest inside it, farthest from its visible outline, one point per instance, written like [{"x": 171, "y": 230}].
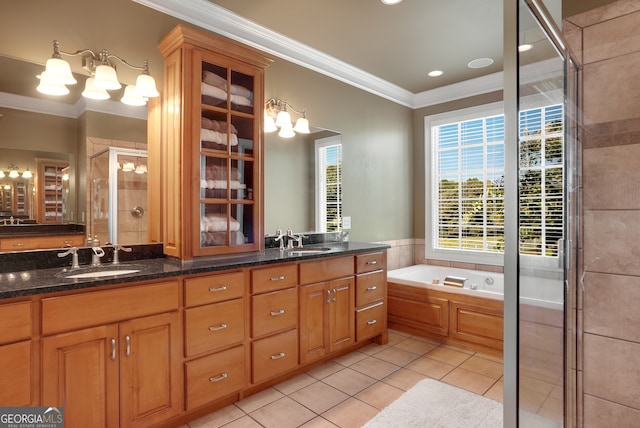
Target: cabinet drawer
[
  {"x": 274, "y": 311},
  {"x": 274, "y": 278},
  {"x": 213, "y": 288},
  {"x": 16, "y": 322},
  {"x": 214, "y": 326},
  {"x": 41, "y": 242},
  {"x": 103, "y": 307},
  {"x": 369, "y": 262},
  {"x": 215, "y": 376},
  {"x": 370, "y": 287},
  {"x": 371, "y": 321},
  {"x": 325, "y": 269},
  {"x": 274, "y": 355}
]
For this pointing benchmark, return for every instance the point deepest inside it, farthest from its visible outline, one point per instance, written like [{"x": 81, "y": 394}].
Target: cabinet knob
[
  {"x": 220, "y": 327},
  {"x": 222, "y": 288},
  {"x": 277, "y": 357},
  {"x": 274, "y": 313},
  {"x": 223, "y": 376}
]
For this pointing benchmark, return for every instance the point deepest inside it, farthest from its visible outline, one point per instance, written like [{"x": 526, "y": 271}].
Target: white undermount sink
[
  {"x": 310, "y": 250},
  {"x": 102, "y": 273}
]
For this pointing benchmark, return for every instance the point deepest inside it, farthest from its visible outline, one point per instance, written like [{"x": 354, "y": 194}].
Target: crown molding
[{"x": 73, "y": 111}]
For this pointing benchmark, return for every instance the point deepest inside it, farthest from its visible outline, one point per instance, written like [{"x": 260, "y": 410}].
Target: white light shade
[
  {"x": 525, "y": 47},
  {"x": 286, "y": 131},
  {"x": 128, "y": 167},
  {"x": 14, "y": 173},
  {"x": 131, "y": 97},
  {"x": 283, "y": 119},
  {"x": 7, "y": 187},
  {"x": 146, "y": 86},
  {"x": 1, "y": 174},
  {"x": 302, "y": 126},
  {"x": 93, "y": 92},
  {"x": 269, "y": 124},
  {"x": 65, "y": 176},
  {"x": 106, "y": 78},
  {"x": 49, "y": 86},
  {"x": 27, "y": 174},
  {"x": 141, "y": 169},
  {"x": 59, "y": 71}
]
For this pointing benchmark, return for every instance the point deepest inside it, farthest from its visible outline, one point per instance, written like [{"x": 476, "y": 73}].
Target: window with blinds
[
  {"x": 329, "y": 184},
  {"x": 468, "y": 183}
]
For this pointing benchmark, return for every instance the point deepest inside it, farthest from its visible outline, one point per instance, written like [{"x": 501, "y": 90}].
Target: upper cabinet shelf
[{"x": 210, "y": 145}]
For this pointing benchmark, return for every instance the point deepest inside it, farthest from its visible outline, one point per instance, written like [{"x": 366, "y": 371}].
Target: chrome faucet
[
  {"x": 74, "y": 257},
  {"x": 97, "y": 253},
  {"x": 293, "y": 237},
  {"x": 280, "y": 237},
  {"x": 117, "y": 248}
]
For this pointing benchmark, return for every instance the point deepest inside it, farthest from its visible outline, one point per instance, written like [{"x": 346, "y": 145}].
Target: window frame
[{"x": 320, "y": 201}]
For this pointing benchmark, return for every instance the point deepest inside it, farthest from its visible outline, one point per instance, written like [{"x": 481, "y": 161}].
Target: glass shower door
[
  {"x": 128, "y": 211},
  {"x": 546, "y": 160}
]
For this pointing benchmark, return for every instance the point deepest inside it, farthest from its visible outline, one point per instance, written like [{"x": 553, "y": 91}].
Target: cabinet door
[
  {"x": 314, "y": 321},
  {"x": 15, "y": 382},
  {"x": 80, "y": 373},
  {"x": 150, "y": 381},
  {"x": 341, "y": 318}
]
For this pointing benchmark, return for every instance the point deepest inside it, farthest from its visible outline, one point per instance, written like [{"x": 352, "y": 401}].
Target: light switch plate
[{"x": 346, "y": 223}]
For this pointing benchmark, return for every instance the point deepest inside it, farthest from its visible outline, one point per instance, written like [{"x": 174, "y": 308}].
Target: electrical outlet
[{"x": 346, "y": 223}]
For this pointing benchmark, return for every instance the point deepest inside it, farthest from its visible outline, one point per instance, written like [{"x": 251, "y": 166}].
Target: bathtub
[
  {"x": 539, "y": 292},
  {"x": 472, "y": 315}
]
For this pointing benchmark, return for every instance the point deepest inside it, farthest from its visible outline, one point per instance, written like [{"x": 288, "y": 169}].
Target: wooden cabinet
[
  {"x": 49, "y": 194},
  {"x": 326, "y": 318},
  {"x": 123, "y": 373},
  {"x": 41, "y": 242},
  {"x": 211, "y": 153},
  {"x": 371, "y": 295},
  {"x": 17, "y": 356},
  {"x": 214, "y": 331},
  {"x": 6, "y": 199}
]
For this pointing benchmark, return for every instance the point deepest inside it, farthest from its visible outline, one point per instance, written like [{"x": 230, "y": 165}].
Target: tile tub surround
[{"x": 606, "y": 41}]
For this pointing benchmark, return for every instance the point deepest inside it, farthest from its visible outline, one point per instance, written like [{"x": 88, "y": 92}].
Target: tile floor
[{"x": 350, "y": 390}]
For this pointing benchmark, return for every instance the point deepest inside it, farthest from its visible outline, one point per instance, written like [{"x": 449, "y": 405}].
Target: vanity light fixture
[
  {"x": 279, "y": 110},
  {"x": 390, "y": 2},
  {"x": 14, "y": 172},
  {"x": 103, "y": 77}
]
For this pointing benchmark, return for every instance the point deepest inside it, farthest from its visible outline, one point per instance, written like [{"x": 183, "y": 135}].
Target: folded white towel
[
  {"x": 218, "y": 137},
  {"x": 217, "y": 223}
]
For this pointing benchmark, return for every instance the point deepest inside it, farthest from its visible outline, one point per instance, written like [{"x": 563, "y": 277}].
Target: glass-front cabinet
[{"x": 214, "y": 87}]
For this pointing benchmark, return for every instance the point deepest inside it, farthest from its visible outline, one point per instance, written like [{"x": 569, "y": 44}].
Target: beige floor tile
[
  {"x": 375, "y": 367},
  {"x": 218, "y": 418},
  {"x": 351, "y": 413},
  {"x": 394, "y": 338},
  {"x": 260, "y": 399},
  {"x": 379, "y": 395},
  {"x": 403, "y": 379},
  {"x": 319, "y": 397},
  {"x": 459, "y": 349},
  {"x": 325, "y": 370},
  {"x": 318, "y": 422},
  {"x": 283, "y": 413},
  {"x": 496, "y": 392},
  {"x": 399, "y": 333},
  {"x": 295, "y": 383},
  {"x": 349, "y": 381},
  {"x": 351, "y": 358},
  {"x": 244, "y": 422},
  {"x": 415, "y": 346},
  {"x": 552, "y": 409},
  {"x": 557, "y": 392},
  {"x": 490, "y": 357},
  {"x": 448, "y": 355},
  {"x": 373, "y": 348},
  {"x": 535, "y": 385},
  {"x": 468, "y": 380},
  {"x": 430, "y": 367},
  {"x": 396, "y": 356},
  {"x": 530, "y": 400},
  {"x": 483, "y": 366}
]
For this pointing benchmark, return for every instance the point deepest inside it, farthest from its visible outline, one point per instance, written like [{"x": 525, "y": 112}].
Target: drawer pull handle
[
  {"x": 373, "y": 287},
  {"x": 372, "y": 262},
  {"x": 274, "y": 313},
  {"x": 277, "y": 278},
  {"x": 113, "y": 349},
  {"x": 328, "y": 296},
  {"x": 223, "y": 288},
  {"x": 18, "y": 244},
  {"x": 277, "y": 357},
  {"x": 372, "y": 322},
  {"x": 223, "y": 376},
  {"x": 127, "y": 340},
  {"x": 220, "y": 327}
]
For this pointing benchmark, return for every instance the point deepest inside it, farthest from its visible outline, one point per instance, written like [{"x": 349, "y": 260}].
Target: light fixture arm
[
  {"x": 104, "y": 57},
  {"x": 274, "y": 105}
]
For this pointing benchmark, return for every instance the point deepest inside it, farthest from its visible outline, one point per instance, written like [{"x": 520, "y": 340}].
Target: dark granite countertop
[{"x": 42, "y": 281}]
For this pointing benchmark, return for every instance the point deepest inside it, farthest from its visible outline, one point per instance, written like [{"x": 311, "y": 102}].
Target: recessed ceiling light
[
  {"x": 435, "y": 73},
  {"x": 525, "y": 47},
  {"x": 391, "y": 1},
  {"x": 480, "y": 63}
]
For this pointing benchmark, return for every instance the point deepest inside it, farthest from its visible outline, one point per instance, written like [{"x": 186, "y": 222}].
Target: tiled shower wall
[{"x": 607, "y": 43}]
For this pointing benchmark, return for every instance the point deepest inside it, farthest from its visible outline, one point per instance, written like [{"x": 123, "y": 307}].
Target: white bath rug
[{"x": 433, "y": 404}]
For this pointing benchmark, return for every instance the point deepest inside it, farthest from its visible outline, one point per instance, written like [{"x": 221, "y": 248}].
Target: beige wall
[{"x": 606, "y": 41}]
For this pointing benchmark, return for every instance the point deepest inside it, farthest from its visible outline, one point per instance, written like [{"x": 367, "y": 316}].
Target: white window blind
[{"x": 329, "y": 184}]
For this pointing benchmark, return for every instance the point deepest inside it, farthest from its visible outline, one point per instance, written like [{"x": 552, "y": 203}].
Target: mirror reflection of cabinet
[
  {"x": 50, "y": 194},
  {"x": 6, "y": 202}
]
